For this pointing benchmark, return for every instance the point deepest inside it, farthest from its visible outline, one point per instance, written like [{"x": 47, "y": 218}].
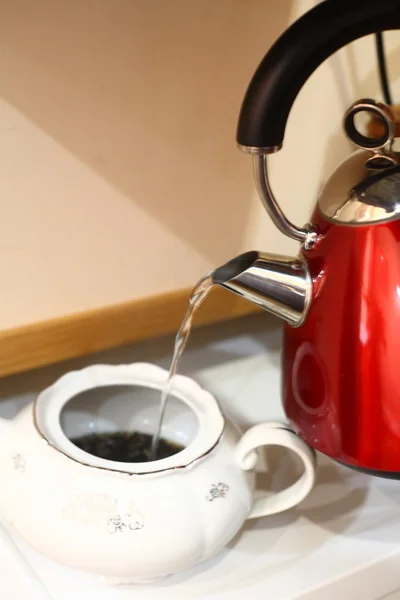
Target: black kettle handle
[{"x": 294, "y": 57}]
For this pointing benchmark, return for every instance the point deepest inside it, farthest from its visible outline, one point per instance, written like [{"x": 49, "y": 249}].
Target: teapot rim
[{"x": 211, "y": 423}]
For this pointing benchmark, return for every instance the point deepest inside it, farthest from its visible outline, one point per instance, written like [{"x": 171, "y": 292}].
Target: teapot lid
[{"x": 49, "y": 404}]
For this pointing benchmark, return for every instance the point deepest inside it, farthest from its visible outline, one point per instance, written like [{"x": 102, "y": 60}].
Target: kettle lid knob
[
  {"x": 382, "y": 111},
  {"x": 380, "y": 146}
]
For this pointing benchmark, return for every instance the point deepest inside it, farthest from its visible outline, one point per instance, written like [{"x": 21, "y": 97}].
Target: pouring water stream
[{"x": 198, "y": 295}]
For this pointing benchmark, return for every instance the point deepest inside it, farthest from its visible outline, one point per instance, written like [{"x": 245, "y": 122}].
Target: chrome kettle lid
[{"x": 365, "y": 188}]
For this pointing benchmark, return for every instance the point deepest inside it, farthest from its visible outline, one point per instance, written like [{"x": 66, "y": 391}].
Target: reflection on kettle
[
  {"x": 309, "y": 381},
  {"x": 312, "y": 404}
]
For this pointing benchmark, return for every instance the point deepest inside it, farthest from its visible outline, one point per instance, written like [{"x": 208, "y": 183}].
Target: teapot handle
[
  {"x": 277, "y": 434},
  {"x": 297, "y": 53}
]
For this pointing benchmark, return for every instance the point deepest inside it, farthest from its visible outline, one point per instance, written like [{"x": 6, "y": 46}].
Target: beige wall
[{"x": 119, "y": 174}]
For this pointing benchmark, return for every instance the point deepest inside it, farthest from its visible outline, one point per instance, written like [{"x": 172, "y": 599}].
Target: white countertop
[{"x": 342, "y": 540}]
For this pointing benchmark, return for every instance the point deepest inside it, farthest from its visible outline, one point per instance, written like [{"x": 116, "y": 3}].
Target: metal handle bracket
[{"x": 306, "y": 235}]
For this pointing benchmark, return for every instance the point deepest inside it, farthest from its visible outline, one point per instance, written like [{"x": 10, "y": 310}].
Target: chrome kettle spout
[{"x": 279, "y": 284}]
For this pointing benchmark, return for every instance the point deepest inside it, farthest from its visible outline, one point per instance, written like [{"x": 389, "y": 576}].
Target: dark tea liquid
[{"x": 125, "y": 446}]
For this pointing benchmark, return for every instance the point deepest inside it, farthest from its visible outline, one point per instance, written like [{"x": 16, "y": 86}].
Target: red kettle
[{"x": 340, "y": 297}]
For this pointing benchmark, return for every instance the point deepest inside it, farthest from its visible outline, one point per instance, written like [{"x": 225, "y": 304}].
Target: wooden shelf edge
[{"x": 79, "y": 334}]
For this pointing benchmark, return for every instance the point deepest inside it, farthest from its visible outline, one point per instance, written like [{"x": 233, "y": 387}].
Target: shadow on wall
[
  {"x": 370, "y": 84},
  {"x": 147, "y": 94}
]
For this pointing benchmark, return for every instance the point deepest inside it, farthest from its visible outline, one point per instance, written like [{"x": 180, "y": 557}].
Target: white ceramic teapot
[{"x": 134, "y": 522}]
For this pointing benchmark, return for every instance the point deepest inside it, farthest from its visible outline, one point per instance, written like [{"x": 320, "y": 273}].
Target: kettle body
[
  {"x": 340, "y": 296},
  {"x": 340, "y": 373},
  {"x": 340, "y": 300}
]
